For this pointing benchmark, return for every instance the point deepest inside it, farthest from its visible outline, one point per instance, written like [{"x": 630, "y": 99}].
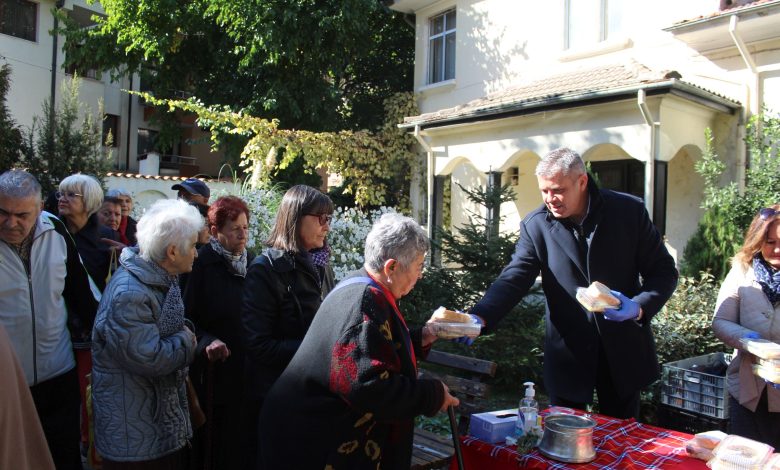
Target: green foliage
[
  {"x": 318, "y": 65},
  {"x": 727, "y": 212},
  {"x": 376, "y": 166},
  {"x": 684, "y": 327},
  {"x": 67, "y": 142},
  {"x": 480, "y": 257},
  {"x": 10, "y": 134}
]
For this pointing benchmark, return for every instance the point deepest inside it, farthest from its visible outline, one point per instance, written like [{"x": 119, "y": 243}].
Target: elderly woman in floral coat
[
  {"x": 141, "y": 347},
  {"x": 349, "y": 397}
]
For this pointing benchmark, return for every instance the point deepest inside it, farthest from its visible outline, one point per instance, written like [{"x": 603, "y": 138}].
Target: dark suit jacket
[{"x": 627, "y": 254}]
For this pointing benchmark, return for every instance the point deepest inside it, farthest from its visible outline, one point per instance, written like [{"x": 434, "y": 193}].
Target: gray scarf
[
  {"x": 236, "y": 263},
  {"x": 172, "y": 312}
]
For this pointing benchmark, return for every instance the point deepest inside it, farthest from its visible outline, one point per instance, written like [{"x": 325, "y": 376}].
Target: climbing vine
[{"x": 376, "y": 166}]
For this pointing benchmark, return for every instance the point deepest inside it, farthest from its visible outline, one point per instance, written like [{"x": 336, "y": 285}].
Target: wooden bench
[{"x": 430, "y": 450}]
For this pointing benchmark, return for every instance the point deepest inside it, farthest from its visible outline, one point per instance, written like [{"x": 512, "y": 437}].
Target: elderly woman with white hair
[
  {"x": 350, "y": 395},
  {"x": 78, "y": 200},
  {"x": 127, "y": 225},
  {"x": 141, "y": 347}
]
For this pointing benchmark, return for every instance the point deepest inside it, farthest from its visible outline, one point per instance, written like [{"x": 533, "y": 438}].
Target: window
[
  {"x": 111, "y": 127},
  {"x": 592, "y": 21},
  {"x": 82, "y": 68},
  {"x": 19, "y": 18},
  {"x": 441, "y": 48}
]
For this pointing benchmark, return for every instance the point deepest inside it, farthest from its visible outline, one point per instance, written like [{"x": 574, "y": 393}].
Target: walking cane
[
  {"x": 455, "y": 437},
  {"x": 209, "y": 415}
]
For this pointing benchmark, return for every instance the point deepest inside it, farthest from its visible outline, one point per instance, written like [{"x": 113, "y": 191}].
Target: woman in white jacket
[{"x": 748, "y": 306}]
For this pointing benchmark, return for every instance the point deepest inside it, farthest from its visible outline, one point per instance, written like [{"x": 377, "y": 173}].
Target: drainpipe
[
  {"x": 129, "y": 122},
  {"x": 753, "y": 101},
  {"x": 650, "y": 163},
  {"x": 54, "y": 46},
  {"x": 429, "y": 177}
]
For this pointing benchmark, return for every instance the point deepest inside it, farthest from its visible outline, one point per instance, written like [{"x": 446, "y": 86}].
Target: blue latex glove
[
  {"x": 754, "y": 335},
  {"x": 468, "y": 340},
  {"x": 629, "y": 310}
]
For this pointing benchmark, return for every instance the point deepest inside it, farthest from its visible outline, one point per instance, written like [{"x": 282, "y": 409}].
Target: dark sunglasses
[
  {"x": 767, "y": 212},
  {"x": 323, "y": 218}
]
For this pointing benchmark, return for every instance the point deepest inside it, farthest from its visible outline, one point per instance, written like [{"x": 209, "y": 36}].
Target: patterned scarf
[
  {"x": 236, "y": 263},
  {"x": 768, "y": 278},
  {"x": 320, "y": 256},
  {"x": 172, "y": 312}
]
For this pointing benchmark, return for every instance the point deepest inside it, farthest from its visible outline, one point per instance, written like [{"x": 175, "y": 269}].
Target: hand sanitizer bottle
[{"x": 529, "y": 408}]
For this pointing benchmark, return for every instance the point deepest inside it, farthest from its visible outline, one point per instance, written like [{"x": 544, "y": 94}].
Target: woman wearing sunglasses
[
  {"x": 747, "y": 306},
  {"x": 283, "y": 289}
]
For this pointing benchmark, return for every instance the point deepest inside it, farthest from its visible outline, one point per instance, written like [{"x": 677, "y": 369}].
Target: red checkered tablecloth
[{"x": 620, "y": 444}]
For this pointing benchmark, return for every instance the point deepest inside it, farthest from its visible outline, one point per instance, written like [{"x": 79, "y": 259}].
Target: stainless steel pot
[{"x": 568, "y": 438}]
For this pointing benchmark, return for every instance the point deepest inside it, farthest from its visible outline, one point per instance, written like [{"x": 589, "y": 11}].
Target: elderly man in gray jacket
[{"x": 45, "y": 291}]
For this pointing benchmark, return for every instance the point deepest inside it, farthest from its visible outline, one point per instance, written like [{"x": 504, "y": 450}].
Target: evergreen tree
[{"x": 10, "y": 134}]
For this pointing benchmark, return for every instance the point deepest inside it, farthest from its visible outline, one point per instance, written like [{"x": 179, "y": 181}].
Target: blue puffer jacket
[{"x": 138, "y": 392}]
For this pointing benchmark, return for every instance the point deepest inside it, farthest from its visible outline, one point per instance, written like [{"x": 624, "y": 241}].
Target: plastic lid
[{"x": 529, "y": 389}]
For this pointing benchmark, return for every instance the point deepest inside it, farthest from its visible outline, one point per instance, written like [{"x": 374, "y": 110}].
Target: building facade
[{"x": 630, "y": 84}]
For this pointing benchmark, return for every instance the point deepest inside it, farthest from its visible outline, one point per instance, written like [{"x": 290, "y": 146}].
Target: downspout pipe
[
  {"x": 753, "y": 102},
  {"x": 429, "y": 177},
  {"x": 54, "y": 47},
  {"x": 641, "y": 99}
]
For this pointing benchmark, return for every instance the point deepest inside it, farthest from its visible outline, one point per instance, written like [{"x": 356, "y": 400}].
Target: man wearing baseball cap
[{"x": 193, "y": 190}]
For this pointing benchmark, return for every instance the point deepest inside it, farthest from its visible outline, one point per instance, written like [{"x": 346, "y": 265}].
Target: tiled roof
[
  {"x": 728, "y": 11},
  {"x": 579, "y": 83},
  {"x": 154, "y": 177}
]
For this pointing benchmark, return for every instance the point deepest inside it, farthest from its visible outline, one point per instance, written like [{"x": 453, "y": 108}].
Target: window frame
[
  {"x": 430, "y": 79},
  {"x": 35, "y": 26},
  {"x": 603, "y": 29}
]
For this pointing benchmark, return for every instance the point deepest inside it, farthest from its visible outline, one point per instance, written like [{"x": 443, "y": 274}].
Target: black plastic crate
[
  {"x": 692, "y": 423},
  {"x": 686, "y": 386}
]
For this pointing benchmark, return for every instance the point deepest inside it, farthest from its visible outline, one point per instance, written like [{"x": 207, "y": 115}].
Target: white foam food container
[
  {"x": 447, "y": 330},
  {"x": 737, "y": 452},
  {"x": 762, "y": 348}
]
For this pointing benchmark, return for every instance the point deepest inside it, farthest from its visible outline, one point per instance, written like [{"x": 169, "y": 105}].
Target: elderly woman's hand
[
  {"x": 449, "y": 400},
  {"x": 217, "y": 351}
]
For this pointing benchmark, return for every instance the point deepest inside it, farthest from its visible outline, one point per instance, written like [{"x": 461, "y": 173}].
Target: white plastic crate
[{"x": 695, "y": 391}]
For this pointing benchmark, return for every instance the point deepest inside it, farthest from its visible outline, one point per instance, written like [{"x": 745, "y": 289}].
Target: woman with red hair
[{"x": 213, "y": 300}]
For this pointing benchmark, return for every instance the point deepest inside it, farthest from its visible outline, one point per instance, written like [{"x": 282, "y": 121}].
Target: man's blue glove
[
  {"x": 468, "y": 340},
  {"x": 629, "y": 310}
]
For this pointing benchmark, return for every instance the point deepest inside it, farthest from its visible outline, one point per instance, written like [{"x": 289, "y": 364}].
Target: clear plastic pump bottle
[{"x": 529, "y": 407}]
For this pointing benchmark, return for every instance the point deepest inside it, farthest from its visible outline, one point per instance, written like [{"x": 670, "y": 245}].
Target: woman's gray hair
[
  {"x": 116, "y": 192},
  {"x": 167, "y": 222},
  {"x": 88, "y": 187},
  {"x": 394, "y": 236},
  {"x": 564, "y": 161}
]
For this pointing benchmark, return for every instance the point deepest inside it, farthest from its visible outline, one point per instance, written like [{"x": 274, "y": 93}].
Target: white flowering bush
[
  {"x": 347, "y": 237},
  {"x": 263, "y": 205}
]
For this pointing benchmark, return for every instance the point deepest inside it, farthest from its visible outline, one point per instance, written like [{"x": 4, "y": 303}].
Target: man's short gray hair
[
  {"x": 89, "y": 188},
  {"x": 167, "y": 222},
  {"x": 397, "y": 237},
  {"x": 117, "y": 192},
  {"x": 19, "y": 184},
  {"x": 564, "y": 161}
]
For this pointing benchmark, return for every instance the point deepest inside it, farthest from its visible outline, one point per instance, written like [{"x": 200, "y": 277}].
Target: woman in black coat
[
  {"x": 350, "y": 395},
  {"x": 212, "y": 300},
  {"x": 283, "y": 290}
]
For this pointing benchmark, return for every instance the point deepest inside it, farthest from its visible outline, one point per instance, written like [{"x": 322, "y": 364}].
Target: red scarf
[
  {"x": 407, "y": 337},
  {"x": 122, "y": 229}
]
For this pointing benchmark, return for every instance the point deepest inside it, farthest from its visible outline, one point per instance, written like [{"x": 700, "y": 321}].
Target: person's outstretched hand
[
  {"x": 628, "y": 310},
  {"x": 468, "y": 340}
]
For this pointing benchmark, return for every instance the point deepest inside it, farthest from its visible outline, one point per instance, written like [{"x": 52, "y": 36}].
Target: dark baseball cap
[{"x": 193, "y": 186}]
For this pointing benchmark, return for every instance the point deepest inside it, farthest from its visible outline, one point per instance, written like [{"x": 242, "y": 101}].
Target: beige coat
[
  {"x": 742, "y": 307},
  {"x": 22, "y": 443}
]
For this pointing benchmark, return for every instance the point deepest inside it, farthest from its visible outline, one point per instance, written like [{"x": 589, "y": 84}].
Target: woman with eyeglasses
[
  {"x": 748, "y": 306},
  {"x": 283, "y": 289}
]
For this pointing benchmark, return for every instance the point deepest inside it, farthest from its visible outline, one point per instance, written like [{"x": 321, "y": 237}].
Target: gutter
[
  {"x": 54, "y": 47},
  {"x": 720, "y": 16},
  {"x": 502, "y": 110}
]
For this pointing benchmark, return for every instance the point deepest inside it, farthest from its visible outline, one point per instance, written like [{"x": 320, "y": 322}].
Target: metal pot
[{"x": 568, "y": 438}]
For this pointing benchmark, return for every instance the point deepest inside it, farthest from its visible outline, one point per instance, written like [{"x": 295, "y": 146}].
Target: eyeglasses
[
  {"x": 67, "y": 195},
  {"x": 323, "y": 218},
  {"x": 767, "y": 212}
]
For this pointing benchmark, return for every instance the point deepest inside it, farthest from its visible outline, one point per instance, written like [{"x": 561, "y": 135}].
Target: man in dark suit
[{"x": 582, "y": 234}]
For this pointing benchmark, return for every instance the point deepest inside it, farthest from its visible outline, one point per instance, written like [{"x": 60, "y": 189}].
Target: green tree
[
  {"x": 727, "y": 212},
  {"x": 67, "y": 144},
  {"x": 10, "y": 134},
  {"x": 318, "y": 65}
]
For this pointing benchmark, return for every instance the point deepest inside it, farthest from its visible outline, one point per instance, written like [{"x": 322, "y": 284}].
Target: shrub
[
  {"x": 727, "y": 211},
  {"x": 10, "y": 134}
]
